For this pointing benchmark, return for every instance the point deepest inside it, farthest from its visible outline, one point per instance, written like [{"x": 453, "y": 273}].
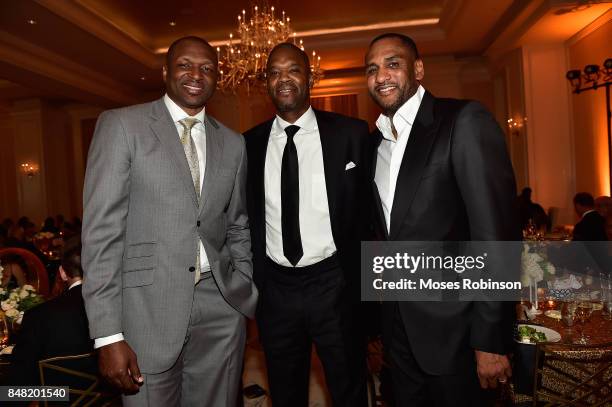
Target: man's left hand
[{"x": 492, "y": 368}]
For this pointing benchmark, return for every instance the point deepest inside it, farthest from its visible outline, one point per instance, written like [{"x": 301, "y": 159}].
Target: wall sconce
[
  {"x": 29, "y": 169},
  {"x": 516, "y": 124}
]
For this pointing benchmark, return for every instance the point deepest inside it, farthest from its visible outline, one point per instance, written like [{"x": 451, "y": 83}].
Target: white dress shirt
[
  {"x": 391, "y": 150},
  {"x": 198, "y": 134},
  {"x": 315, "y": 224},
  {"x": 76, "y": 283}
]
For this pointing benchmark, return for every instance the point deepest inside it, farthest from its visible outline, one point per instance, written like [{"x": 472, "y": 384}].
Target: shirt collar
[
  {"x": 76, "y": 283},
  {"x": 587, "y": 212},
  {"x": 404, "y": 116},
  {"x": 179, "y": 114},
  {"x": 307, "y": 122}
]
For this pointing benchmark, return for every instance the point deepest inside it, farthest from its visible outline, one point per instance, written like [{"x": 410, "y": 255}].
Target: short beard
[{"x": 390, "y": 110}]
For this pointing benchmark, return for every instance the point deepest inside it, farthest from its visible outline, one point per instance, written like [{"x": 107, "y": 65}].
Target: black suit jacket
[
  {"x": 455, "y": 183},
  {"x": 591, "y": 228},
  {"x": 343, "y": 140},
  {"x": 55, "y": 328}
]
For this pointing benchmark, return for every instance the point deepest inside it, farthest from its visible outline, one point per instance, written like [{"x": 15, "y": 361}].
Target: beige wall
[
  {"x": 589, "y": 114},
  {"x": 38, "y": 132},
  {"x": 549, "y": 138}
]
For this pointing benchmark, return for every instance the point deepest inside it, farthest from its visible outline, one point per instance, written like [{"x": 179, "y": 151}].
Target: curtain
[{"x": 343, "y": 104}]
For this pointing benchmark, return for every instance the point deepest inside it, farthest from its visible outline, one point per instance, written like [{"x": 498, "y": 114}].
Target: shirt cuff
[{"x": 107, "y": 340}]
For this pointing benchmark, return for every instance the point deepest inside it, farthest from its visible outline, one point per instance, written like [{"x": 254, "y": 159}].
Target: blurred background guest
[
  {"x": 56, "y": 328},
  {"x": 591, "y": 226},
  {"x": 531, "y": 211}
]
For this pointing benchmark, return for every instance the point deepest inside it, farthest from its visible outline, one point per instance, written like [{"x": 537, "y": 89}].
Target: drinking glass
[
  {"x": 605, "y": 281},
  {"x": 568, "y": 312},
  {"x": 584, "y": 310}
]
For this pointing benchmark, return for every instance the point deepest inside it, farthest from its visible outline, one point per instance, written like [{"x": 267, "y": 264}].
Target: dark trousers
[
  {"x": 306, "y": 305},
  {"x": 415, "y": 388}
]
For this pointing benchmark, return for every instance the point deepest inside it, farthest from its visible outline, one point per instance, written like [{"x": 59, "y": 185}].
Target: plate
[
  {"x": 553, "y": 313},
  {"x": 551, "y": 335}
]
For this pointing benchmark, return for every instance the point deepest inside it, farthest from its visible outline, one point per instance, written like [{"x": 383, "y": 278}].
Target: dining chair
[
  {"x": 36, "y": 272},
  {"x": 79, "y": 373},
  {"x": 573, "y": 375}
]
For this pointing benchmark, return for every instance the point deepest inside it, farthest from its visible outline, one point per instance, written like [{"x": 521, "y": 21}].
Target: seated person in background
[
  {"x": 13, "y": 272},
  {"x": 603, "y": 205},
  {"x": 592, "y": 226},
  {"x": 529, "y": 210},
  {"x": 56, "y": 328},
  {"x": 49, "y": 226}
]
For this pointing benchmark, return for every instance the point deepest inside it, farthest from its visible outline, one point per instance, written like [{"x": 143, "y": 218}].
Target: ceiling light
[
  {"x": 172, "y": 23},
  {"x": 32, "y": 22}
]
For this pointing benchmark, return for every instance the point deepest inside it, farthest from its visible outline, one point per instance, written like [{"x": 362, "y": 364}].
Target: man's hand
[
  {"x": 118, "y": 365},
  {"x": 492, "y": 368}
]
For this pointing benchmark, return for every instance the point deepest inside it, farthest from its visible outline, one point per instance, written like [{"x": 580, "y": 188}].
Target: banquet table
[{"x": 598, "y": 330}]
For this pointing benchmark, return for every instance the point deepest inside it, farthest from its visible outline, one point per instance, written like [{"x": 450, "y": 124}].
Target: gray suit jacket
[{"x": 141, "y": 222}]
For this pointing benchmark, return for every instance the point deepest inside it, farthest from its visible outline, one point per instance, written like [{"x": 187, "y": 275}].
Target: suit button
[
  {"x": 192, "y": 269},
  {"x": 198, "y": 224}
]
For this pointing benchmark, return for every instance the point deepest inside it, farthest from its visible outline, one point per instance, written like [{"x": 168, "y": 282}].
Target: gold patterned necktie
[{"x": 194, "y": 166}]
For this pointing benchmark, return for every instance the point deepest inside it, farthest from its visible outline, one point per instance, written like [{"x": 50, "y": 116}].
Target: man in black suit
[
  {"x": 441, "y": 173},
  {"x": 592, "y": 226},
  {"x": 308, "y": 189},
  {"x": 55, "y": 328}
]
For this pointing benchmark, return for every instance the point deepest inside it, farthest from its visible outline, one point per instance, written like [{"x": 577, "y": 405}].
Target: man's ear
[
  {"x": 310, "y": 81},
  {"x": 419, "y": 70},
  {"x": 63, "y": 274},
  {"x": 164, "y": 73}
]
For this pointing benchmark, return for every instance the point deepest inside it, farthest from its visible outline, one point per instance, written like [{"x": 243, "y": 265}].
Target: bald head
[
  {"x": 192, "y": 38},
  {"x": 293, "y": 48}
]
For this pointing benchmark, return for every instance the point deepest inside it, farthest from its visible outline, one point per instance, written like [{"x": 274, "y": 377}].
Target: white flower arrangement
[
  {"x": 534, "y": 266},
  {"x": 18, "y": 300}
]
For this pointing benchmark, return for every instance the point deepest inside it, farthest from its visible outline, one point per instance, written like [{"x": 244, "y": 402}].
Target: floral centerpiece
[
  {"x": 535, "y": 264},
  {"x": 535, "y": 268},
  {"x": 18, "y": 300}
]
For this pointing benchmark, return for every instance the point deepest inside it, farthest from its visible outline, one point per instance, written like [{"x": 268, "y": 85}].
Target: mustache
[
  {"x": 197, "y": 82},
  {"x": 285, "y": 86},
  {"x": 384, "y": 85}
]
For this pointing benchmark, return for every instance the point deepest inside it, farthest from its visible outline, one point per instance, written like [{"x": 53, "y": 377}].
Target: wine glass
[
  {"x": 605, "y": 281},
  {"x": 584, "y": 310},
  {"x": 568, "y": 312}
]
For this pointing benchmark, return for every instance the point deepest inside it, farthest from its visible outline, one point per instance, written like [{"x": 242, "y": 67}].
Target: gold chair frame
[
  {"x": 87, "y": 396},
  {"x": 584, "y": 372}
]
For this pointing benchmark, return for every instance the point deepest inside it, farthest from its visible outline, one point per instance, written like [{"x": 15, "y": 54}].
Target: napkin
[{"x": 570, "y": 282}]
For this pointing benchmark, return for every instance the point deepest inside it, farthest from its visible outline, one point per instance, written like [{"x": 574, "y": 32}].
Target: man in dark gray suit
[{"x": 166, "y": 244}]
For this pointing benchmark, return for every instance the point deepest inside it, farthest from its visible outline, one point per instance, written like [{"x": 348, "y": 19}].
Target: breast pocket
[{"x": 139, "y": 264}]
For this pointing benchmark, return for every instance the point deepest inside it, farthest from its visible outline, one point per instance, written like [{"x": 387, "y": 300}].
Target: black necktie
[{"x": 290, "y": 198}]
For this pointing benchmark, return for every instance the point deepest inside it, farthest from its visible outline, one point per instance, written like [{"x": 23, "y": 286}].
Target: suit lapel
[
  {"x": 257, "y": 175},
  {"x": 415, "y": 157},
  {"x": 214, "y": 154},
  {"x": 377, "y": 202},
  {"x": 333, "y": 145},
  {"x": 164, "y": 129}
]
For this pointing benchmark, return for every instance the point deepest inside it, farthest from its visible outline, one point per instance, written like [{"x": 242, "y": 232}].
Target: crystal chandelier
[{"x": 243, "y": 60}]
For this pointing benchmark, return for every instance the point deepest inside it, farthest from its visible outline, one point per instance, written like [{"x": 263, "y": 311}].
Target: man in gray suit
[{"x": 166, "y": 246}]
